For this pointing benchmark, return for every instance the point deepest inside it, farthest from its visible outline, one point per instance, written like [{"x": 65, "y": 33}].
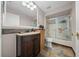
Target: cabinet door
[
  {"x": 30, "y": 48},
  {"x": 26, "y": 46},
  {"x": 30, "y": 45},
  {"x": 36, "y": 45}
]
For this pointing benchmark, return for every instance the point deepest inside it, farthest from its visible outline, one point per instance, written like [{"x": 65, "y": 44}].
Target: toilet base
[{"x": 49, "y": 45}]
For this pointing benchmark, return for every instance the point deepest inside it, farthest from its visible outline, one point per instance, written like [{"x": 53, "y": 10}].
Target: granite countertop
[{"x": 29, "y": 33}]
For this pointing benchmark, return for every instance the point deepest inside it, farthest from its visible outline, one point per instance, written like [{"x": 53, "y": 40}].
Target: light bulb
[
  {"x": 31, "y": 3},
  {"x": 24, "y": 3},
  {"x": 28, "y": 6},
  {"x": 27, "y": 2},
  {"x": 34, "y": 6}
]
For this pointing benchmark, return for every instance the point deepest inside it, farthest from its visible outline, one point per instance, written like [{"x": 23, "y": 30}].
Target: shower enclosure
[{"x": 59, "y": 30}]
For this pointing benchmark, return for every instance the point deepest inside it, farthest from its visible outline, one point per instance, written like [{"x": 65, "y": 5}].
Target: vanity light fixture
[{"x": 29, "y": 4}]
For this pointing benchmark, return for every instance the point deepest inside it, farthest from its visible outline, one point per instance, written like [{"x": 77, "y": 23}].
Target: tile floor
[{"x": 57, "y": 51}]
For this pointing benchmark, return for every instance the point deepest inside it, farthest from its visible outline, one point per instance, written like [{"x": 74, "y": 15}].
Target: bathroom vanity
[{"x": 28, "y": 44}]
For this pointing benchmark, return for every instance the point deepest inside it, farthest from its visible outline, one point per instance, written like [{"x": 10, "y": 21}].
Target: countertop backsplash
[{"x": 10, "y": 31}]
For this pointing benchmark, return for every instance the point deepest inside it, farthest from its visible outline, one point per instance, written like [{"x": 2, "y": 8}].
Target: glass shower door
[
  {"x": 63, "y": 31},
  {"x": 52, "y": 28}
]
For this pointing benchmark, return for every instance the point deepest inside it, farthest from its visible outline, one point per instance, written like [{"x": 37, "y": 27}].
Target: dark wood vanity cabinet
[
  {"x": 28, "y": 46},
  {"x": 36, "y": 45}
]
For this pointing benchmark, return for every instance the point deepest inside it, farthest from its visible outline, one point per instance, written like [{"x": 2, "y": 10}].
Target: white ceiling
[
  {"x": 51, "y": 6},
  {"x": 17, "y": 8},
  {"x": 46, "y": 6}
]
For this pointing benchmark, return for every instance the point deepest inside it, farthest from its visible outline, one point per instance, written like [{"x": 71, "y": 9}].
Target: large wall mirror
[{"x": 19, "y": 13}]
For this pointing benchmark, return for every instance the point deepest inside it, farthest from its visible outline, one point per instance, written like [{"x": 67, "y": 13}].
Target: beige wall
[
  {"x": 73, "y": 24},
  {"x": 77, "y": 27},
  {"x": 26, "y": 20}
]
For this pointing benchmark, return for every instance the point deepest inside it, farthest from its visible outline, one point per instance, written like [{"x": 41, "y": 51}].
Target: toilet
[{"x": 49, "y": 42}]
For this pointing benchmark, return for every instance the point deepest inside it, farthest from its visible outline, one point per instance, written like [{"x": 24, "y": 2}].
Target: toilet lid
[{"x": 49, "y": 39}]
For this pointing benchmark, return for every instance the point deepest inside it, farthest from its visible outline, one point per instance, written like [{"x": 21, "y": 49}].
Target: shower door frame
[{"x": 61, "y": 41}]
